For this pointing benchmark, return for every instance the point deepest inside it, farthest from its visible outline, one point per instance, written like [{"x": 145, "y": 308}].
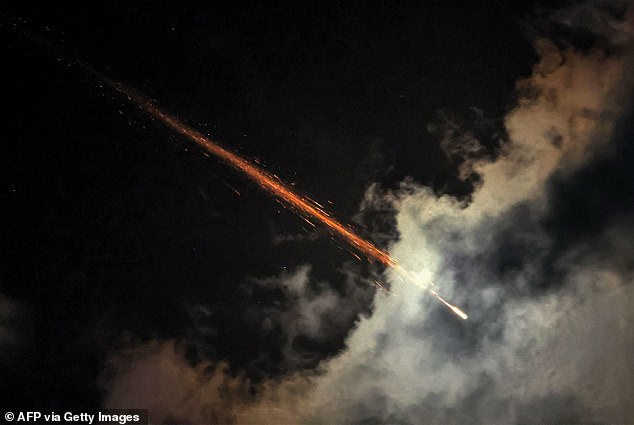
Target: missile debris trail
[{"x": 305, "y": 207}]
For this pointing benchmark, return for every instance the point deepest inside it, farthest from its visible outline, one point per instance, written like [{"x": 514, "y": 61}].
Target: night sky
[{"x": 129, "y": 256}]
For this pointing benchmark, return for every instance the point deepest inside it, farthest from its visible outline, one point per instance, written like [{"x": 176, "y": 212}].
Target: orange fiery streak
[
  {"x": 271, "y": 184},
  {"x": 268, "y": 182}
]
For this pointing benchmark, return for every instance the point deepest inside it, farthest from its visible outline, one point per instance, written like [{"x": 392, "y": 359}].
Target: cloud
[
  {"x": 565, "y": 115},
  {"x": 7, "y": 311},
  {"x": 279, "y": 239},
  {"x": 17, "y": 331},
  {"x": 312, "y": 314},
  {"x": 524, "y": 358},
  {"x": 548, "y": 339},
  {"x": 155, "y": 376}
]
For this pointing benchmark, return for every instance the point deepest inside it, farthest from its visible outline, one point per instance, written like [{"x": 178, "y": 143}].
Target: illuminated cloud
[{"x": 527, "y": 354}]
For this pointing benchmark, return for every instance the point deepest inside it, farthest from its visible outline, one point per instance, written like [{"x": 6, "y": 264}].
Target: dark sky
[{"x": 115, "y": 228}]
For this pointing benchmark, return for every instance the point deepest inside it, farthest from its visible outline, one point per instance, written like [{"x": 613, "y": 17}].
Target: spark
[
  {"x": 285, "y": 193},
  {"x": 452, "y": 307}
]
